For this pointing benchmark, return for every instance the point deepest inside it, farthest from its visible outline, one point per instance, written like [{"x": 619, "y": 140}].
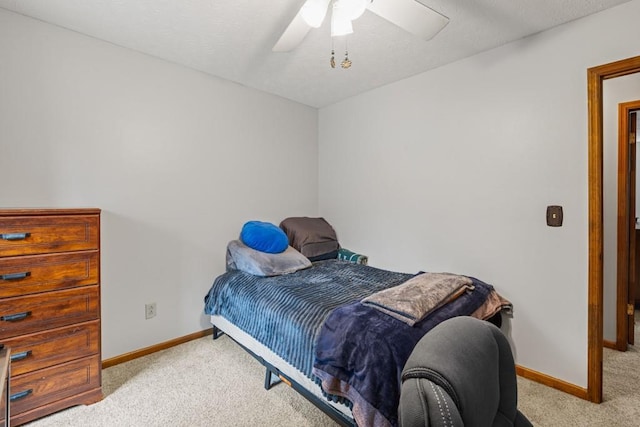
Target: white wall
[
  {"x": 177, "y": 160},
  {"x": 452, "y": 170},
  {"x": 615, "y": 91}
]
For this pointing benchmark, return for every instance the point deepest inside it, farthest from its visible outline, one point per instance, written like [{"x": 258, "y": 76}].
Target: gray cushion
[{"x": 243, "y": 258}]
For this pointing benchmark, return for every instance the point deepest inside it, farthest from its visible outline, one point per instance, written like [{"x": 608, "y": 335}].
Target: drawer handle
[
  {"x": 20, "y": 395},
  {"x": 20, "y": 356},
  {"x": 15, "y": 276},
  {"x": 15, "y": 317},
  {"x": 14, "y": 236}
]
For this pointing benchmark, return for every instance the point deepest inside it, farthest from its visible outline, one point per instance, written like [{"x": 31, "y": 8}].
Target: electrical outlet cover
[{"x": 150, "y": 310}]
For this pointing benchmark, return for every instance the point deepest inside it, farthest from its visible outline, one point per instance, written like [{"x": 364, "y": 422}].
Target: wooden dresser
[
  {"x": 50, "y": 308},
  {"x": 5, "y": 372}
]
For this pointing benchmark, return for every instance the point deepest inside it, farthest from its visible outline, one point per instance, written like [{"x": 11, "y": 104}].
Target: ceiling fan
[{"x": 410, "y": 15}]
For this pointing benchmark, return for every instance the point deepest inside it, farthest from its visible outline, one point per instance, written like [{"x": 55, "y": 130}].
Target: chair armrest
[{"x": 347, "y": 255}]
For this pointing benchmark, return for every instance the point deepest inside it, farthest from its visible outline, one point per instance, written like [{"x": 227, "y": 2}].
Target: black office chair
[{"x": 461, "y": 373}]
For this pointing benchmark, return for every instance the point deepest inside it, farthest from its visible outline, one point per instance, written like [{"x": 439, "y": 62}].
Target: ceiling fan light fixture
[
  {"x": 340, "y": 22},
  {"x": 410, "y": 15},
  {"x": 354, "y": 8},
  {"x": 314, "y": 11}
]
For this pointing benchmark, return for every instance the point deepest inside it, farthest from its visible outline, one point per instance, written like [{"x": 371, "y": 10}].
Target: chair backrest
[{"x": 461, "y": 373}]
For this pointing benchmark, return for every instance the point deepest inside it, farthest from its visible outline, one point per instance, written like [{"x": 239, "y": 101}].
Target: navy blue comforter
[{"x": 361, "y": 351}]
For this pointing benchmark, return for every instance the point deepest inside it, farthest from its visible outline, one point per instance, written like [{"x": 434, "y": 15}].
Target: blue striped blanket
[{"x": 285, "y": 312}]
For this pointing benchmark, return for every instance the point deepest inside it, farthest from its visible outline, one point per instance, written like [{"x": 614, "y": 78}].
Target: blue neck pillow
[{"x": 264, "y": 237}]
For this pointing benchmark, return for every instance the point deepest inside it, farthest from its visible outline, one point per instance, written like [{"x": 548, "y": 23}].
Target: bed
[{"x": 311, "y": 330}]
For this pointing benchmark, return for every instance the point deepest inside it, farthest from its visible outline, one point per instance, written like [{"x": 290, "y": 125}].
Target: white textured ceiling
[{"x": 232, "y": 39}]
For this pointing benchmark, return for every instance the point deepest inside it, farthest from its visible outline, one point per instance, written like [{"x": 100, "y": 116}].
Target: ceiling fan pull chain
[
  {"x": 346, "y": 62},
  {"x": 332, "y": 61}
]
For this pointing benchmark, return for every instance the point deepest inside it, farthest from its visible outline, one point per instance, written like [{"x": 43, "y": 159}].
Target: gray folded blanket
[{"x": 419, "y": 296}]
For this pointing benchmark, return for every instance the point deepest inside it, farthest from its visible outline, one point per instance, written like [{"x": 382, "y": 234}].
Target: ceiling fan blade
[
  {"x": 293, "y": 35},
  {"x": 411, "y": 16}
]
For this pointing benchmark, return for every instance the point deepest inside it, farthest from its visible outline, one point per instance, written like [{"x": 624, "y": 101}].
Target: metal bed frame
[{"x": 274, "y": 376}]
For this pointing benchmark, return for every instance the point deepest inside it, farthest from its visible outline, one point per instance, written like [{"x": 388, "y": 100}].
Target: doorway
[
  {"x": 628, "y": 254},
  {"x": 595, "y": 78}
]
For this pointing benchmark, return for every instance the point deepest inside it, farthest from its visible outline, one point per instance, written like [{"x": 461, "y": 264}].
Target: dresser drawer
[
  {"x": 46, "y": 234},
  {"x": 45, "y": 349},
  {"x": 40, "y": 273},
  {"x": 35, "y": 313},
  {"x": 51, "y": 384}
]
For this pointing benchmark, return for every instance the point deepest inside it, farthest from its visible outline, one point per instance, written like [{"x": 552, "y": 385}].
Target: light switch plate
[{"x": 554, "y": 216}]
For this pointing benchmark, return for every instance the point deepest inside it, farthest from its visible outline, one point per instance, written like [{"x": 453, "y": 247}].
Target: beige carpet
[
  {"x": 200, "y": 383},
  {"x": 215, "y": 383}
]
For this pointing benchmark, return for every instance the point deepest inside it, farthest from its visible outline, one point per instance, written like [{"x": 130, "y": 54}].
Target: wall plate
[{"x": 554, "y": 216}]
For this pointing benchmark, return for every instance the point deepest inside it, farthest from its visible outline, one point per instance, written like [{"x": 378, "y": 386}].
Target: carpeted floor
[
  {"x": 200, "y": 383},
  {"x": 215, "y": 383}
]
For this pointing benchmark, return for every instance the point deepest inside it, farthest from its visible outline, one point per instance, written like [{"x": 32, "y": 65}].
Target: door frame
[
  {"x": 625, "y": 231},
  {"x": 595, "y": 79}
]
